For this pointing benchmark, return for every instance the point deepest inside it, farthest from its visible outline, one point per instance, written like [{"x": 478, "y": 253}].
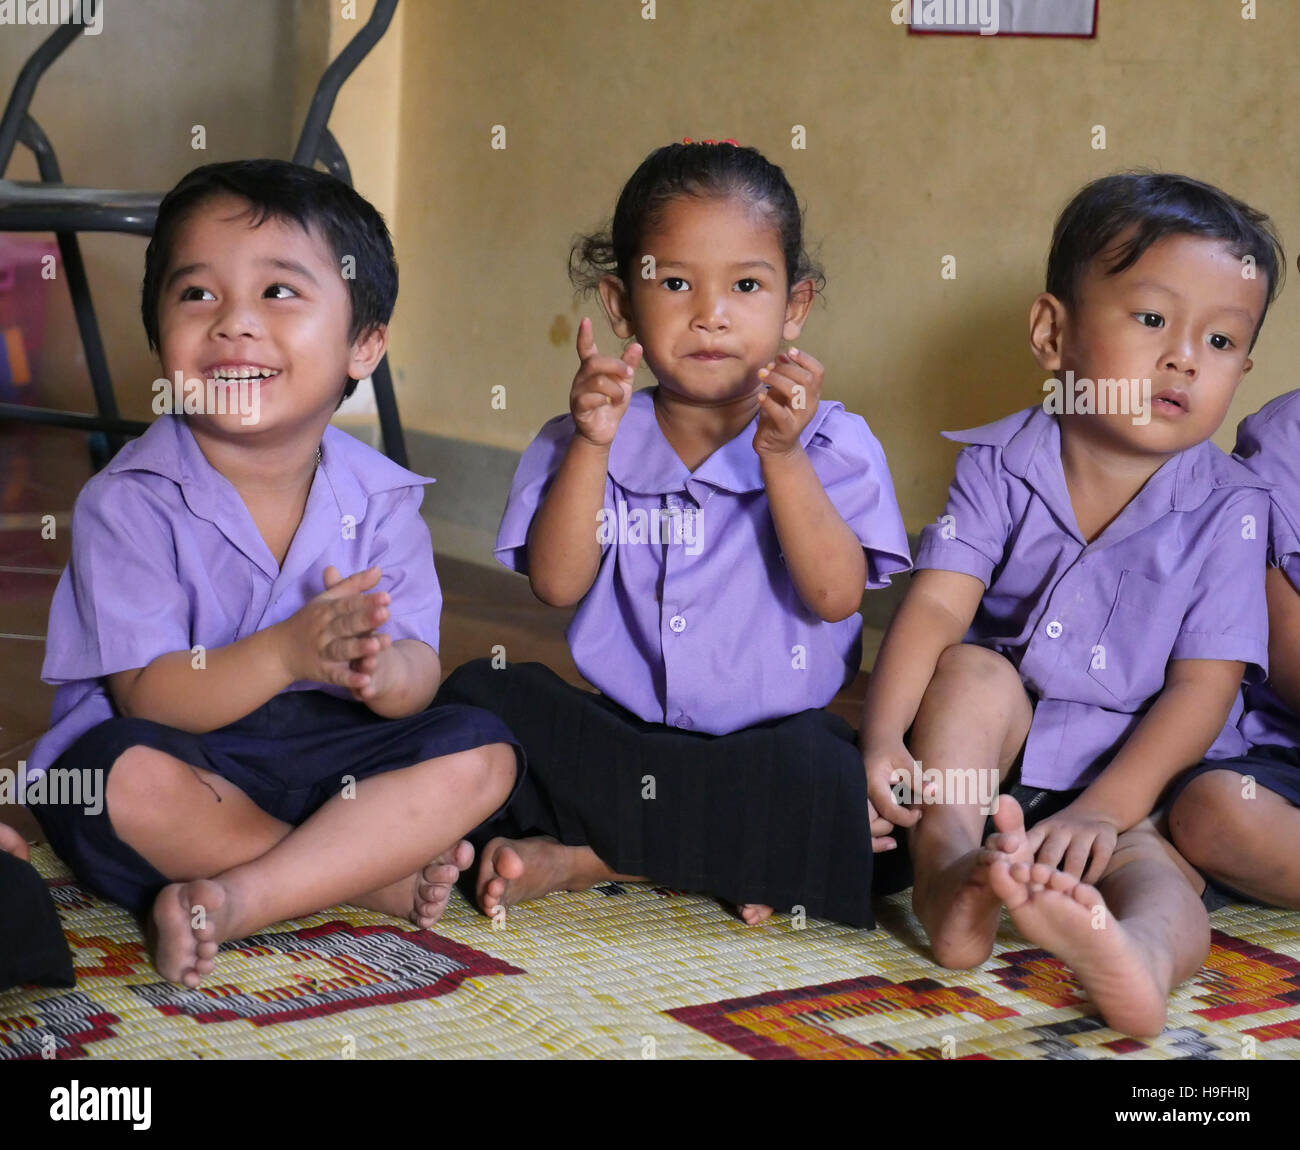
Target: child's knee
[
  {"x": 1205, "y": 821},
  {"x": 141, "y": 786},
  {"x": 500, "y": 769},
  {"x": 971, "y": 661}
]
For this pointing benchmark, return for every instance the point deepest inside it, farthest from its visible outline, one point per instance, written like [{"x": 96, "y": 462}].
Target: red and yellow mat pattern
[{"x": 625, "y": 971}]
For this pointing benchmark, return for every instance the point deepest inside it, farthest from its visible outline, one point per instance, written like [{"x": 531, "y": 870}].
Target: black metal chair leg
[{"x": 389, "y": 424}]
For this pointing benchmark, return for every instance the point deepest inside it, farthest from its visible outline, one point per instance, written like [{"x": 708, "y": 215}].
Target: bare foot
[
  {"x": 422, "y": 897},
  {"x": 516, "y": 870},
  {"x": 956, "y": 905},
  {"x": 12, "y": 843},
  {"x": 186, "y": 926},
  {"x": 753, "y": 912},
  {"x": 1068, "y": 918}
]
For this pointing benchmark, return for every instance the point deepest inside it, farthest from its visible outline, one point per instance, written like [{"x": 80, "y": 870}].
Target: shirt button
[
  {"x": 683, "y": 721},
  {"x": 672, "y": 501},
  {"x": 1054, "y": 629},
  {"x": 677, "y": 623}
]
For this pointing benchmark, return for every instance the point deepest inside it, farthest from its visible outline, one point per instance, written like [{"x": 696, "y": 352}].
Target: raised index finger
[{"x": 586, "y": 340}]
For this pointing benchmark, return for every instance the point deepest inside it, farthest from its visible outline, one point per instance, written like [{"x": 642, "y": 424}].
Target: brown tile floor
[{"x": 41, "y": 471}]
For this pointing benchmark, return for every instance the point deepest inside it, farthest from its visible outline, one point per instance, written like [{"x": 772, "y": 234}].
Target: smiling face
[
  {"x": 268, "y": 302},
  {"x": 1182, "y": 316},
  {"x": 718, "y": 306}
]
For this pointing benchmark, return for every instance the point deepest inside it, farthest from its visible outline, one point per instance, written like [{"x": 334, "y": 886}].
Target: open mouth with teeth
[{"x": 232, "y": 373}]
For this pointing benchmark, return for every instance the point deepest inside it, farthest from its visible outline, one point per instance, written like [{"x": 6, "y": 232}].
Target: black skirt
[{"x": 774, "y": 814}]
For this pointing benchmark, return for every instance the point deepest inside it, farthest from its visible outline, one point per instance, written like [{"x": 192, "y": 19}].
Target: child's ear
[
  {"x": 617, "y": 304},
  {"x": 367, "y": 350},
  {"x": 1047, "y": 317},
  {"x": 796, "y": 309}
]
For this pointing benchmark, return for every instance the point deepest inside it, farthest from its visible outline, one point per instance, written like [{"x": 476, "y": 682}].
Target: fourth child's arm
[{"x": 1283, "y": 638}]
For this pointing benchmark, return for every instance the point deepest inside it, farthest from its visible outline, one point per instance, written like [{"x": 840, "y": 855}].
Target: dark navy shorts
[
  {"x": 1275, "y": 769},
  {"x": 289, "y": 756}
]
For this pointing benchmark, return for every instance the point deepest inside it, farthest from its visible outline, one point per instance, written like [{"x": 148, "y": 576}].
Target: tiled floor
[{"x": 42, "y": 469}]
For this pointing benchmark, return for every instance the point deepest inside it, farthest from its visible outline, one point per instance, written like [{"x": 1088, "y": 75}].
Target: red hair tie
[{"x": 688, "y": 140}]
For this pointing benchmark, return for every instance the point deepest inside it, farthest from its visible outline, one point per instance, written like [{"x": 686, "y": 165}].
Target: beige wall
[{"x": 917, "y": 147}]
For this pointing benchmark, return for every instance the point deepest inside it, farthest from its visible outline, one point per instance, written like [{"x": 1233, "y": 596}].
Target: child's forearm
[
  {"x": 563, "y": 548},
  {"x": 1174, "y": 735},
  {"x": 201, "y": 691},
  {"x": 411, "y": 673},
  {"x": 1283, "y": 638},
  {"x": 825, "y": 559},
  {"x": 935, "y": 614}
]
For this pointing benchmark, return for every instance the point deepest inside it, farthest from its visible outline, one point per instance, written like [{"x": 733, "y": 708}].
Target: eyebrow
[
  {"x": 740, "y": 264},
  {"x": 1148, "y": 285},
  {"x": 282, "y": 265}
]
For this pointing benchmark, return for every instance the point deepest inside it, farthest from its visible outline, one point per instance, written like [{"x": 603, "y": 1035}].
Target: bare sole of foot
[
  {"x": 185, "y": 929},
  {"x": 422, "y": 897},
  {"x": 957, "y": 907},
  {"x": 1069, "y": 919}
]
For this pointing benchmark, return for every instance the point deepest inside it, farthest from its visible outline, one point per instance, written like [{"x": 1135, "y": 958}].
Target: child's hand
[
  {"x": 1067, "y": 839},
  {"x": 601, "y": 388},
  {"x": 794, "y": 385},
  {"x": 376, "y": 668},
  {"x": 884, "y": 764},
  {"x": 337, "y": 628}
]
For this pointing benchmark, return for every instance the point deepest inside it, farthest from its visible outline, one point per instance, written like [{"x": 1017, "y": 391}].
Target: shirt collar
[
  {"x": 352, "y": 473},
  {"x": 1031, "y": 449},
  {"x": 642, "y": 460}
]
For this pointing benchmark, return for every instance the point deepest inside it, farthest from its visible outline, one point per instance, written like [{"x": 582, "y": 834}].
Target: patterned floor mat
[{"x": 626, "y": 971}]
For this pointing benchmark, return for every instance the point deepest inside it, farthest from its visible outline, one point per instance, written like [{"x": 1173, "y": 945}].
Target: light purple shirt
[
  {"x": 706, "y": 631},
  {"x": 1092, "y": 627},
  {"x": 165, "y": 556},
  {"x": 1268, "y": 442}
]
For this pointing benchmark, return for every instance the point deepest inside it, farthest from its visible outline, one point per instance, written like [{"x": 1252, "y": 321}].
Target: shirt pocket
[{"x": 1131, "y": 654}]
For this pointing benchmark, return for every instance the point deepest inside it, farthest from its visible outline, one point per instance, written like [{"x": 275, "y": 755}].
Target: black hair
[
  {"x": 277, "y": 189},
  {"x": 1153, "y": 205},
  {"x": 702, "y": 170}
]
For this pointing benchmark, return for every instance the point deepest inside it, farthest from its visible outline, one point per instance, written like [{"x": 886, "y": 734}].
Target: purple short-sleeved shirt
[
  {"x": 1268, "y": 442},
  {"x": 166, "y": 557},
  {"x": 704, "y": 629},
  {"x": 1179, "y": 574}
]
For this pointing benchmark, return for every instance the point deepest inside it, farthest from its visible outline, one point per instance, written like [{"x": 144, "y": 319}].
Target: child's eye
[
  {"x": 1224, "y": 345},
  {"x": 748, "y": 285},
  {"x": 279, "y": 288},
  {"x": 192, "y": 293},
  {"x": 1144, "y": 316},
  {"x": 675, "y": 283}
]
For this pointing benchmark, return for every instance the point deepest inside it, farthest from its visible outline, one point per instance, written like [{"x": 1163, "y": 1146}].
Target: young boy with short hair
[
  {"x": 245, "y": 637},
  {"x": 1083, "y": 613}
]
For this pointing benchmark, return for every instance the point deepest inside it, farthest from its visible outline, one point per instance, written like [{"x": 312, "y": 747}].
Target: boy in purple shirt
[
  {"x": 245, "y": 636},
  {"x": 716, "y": 532},
  {"x": 1238, "y": 819},
  {"x": 1085, "y": 609}
]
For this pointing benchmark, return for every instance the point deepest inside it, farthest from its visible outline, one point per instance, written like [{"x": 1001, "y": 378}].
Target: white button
[
  {"x": 672, "y": 501},
  {"x": 677, "y": 623},
  {"x": 1054, "y": 629},
  {"x": 683, "y": 721}
]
